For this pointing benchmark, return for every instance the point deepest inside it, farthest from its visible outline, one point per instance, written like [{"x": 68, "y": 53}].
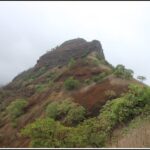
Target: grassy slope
[{"x": 135, "y": 134}]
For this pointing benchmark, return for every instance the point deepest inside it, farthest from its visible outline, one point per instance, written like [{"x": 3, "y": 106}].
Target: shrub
[
  {"x": 110, "y": 94},
  {"x": 41, "y": 87},
  {"x": 68, "y": 111},
  {"x": 141, "y": 78},
  {"x": 46, "y": 133},
  {"x": 52, "y": 110},
  {"x": 15, "y": 108},
  {"x": 51, "y": 76},
  {"x": 75, "y": 115},
  {"x": 93, "y": 132},
  {"x": 122, "y": 72},
  {"x": 88, "y": 81},
  {"x": 71, "y": 63},
  {"x": 71, "y": 83},
  {"x": 99, "y": 77}
]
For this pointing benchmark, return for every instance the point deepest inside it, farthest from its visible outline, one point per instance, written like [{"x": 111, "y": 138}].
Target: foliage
[
  {"x": 122, "y": 72},
  {"x": 98, "y": 78},
  {"x": 75, "y": 115},
  {"x": 110, "y": 94},
  {"x": 70, "y": 112},
  {"x": 71, "y": 63},
  {"x": 71, "y": 83},
  {"x": 51, "y": 76},
  {"x": 52, "y": 110},
  {"x": 46, "y": 133},
  {"x": 130, "y": 105},
  {"x": 41, "y": 87},
  {"x": 93, "y": 132},
  {"x": 141, "y": 78},
  {"x": 15, "y": 108},
  {"x": 41, "y": 71},
  {"x": 88, "y": 81}
]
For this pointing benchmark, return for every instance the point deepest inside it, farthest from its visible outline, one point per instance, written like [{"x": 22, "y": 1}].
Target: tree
[
  {"x": 121, "y": 72},
  {"x": 71, "y": 83},
  {"x": 128, "y": 73},
  {"x": 68, "y": 112},
  {"x": 46, "y": 133},
  {"x": 141, "y": 78},
  {"x": 15, "y": 109}
]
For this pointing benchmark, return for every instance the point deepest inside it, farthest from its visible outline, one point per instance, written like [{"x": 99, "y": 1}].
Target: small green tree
[
  {"x": 71, "y": 83},
  {"x": 46, "y": 133},
  {"x": 15, "y": 108},
  {"x": 75, "y": 115},
  {"x": 128, "y": 73},
  {"x": 141, "y": 78},
  {"x": 52, "y": 110},
  {"x": 121, "y": 72},
  {"x": 67, "y": 111}
]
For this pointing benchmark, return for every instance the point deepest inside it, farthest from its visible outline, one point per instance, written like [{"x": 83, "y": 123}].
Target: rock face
[{"x": 76, "y": 48}]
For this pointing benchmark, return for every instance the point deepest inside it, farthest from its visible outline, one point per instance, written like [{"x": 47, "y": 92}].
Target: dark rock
[{"x": 76, "y": 48}]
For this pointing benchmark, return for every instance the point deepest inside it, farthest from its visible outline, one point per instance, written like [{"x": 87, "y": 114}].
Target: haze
[{"x": 29, "y": 29}]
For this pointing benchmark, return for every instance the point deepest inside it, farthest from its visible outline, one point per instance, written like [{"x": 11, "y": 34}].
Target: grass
[{"x": 133, "y": 134}]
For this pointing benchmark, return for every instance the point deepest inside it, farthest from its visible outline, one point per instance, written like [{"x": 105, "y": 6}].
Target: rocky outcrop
[{"x": 76, "y": 48}]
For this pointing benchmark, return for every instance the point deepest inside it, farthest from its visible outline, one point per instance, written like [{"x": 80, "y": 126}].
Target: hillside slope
[{"x": 73, "y": 75}]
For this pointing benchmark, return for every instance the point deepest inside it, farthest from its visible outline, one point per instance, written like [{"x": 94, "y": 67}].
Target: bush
[
  {"x": 75, "y": 115},
  {"x": 71, "y": 63},
  {"x": 15, "y": 108},
  {"x": 67, "y": 111},
  {"x": 122, "y": 72},
  {"x": 100, "y": 77},
  {"x": 52, "y": 110},
  {"x": 71, "y": 83},
  {"x": 88, "y": 81},
  {"x": 41, "y": 87},
  {"x": 110, "y": 94},
  {"x": 46, "y": 133}
]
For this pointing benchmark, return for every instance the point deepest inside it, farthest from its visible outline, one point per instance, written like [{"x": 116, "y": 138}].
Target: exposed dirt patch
[{"x": 95, "y": 95}]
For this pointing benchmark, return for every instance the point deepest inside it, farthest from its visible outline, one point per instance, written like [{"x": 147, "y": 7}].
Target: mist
[{"x": 28, "y": 29}]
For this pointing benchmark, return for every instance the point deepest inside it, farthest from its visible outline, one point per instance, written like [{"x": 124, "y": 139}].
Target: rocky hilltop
[{"x": 76, "y": 48}]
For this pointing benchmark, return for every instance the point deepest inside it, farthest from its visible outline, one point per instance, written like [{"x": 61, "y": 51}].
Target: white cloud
[{"x": 28, "y": 29}]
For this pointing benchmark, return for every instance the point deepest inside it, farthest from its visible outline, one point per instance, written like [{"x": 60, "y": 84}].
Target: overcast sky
[{"x": 29, "y": 29}]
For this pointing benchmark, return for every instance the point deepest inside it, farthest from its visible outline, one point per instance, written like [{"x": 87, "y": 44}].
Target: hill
[{"x": 69, "y": 91}]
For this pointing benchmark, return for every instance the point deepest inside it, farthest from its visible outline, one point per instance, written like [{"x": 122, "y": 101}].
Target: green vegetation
[
  {"x": 71, "y": 83},
  {"x": 75, "y": 115},
  {"x": 98, "y": 78},
  {"x": 41, "y": 71},
  {"x": 51, "y": 76},
  {"x": 141, "y": 78},
  {"x": 93, "y": 132},
  {"x": 41, "y": 87},
  {"x": 71, "y": 113},
  {"x": 71, "y": 63},
  {"x": 88, "y": 81},
  {"x": 110, "y": 94},
  {"x": 15, "y": 108},
  {"x": 52, "y": 110},
  {"x": 46, "y": 133},
  {"x": 121, "y": 72}
]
